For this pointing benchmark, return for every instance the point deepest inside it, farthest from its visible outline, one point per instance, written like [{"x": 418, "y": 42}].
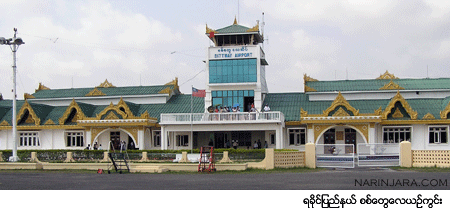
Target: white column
[
  {"x": 279, "y": 137},
  {"x": 163, "y": 138},
  {"x": 140, "y": 136},
  {"x": 371, "y": 135},
  {"x": 88, "y": 139},
  {"x": 310, "y": 135}
]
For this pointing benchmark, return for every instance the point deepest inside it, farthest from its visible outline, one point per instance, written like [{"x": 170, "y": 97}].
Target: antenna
[
  {"x": 140, "y": 80},
  {"x": 238, "y": 11},
  {"x": 262, "y": 29},
  {"x": 427, "y": 71},
  {"x": 72, "y": 82}
]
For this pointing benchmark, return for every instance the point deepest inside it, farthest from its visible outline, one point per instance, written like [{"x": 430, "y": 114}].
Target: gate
[
  {"x": 378, "y": 154},
  {"x": 335, "y": 155}
]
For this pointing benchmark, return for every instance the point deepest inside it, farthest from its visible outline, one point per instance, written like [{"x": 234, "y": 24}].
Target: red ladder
[{"x": 206, "y": 162}]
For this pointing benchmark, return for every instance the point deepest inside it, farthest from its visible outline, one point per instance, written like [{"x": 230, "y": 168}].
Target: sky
[{"x": 130, "y": 43}]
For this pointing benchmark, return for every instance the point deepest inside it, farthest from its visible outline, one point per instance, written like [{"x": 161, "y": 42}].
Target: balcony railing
[{"x": 206, "y": 118}]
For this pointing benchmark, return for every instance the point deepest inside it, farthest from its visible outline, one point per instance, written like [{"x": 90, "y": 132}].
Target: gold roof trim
[
  {"x": 166, "y": 90},
  {"x": 106, "y": 84},
  {"x": 209, "y": 30},
  {"x": 111, "y": 115},
  {"x": 341, "y": 112},
  {"x": 73, "y": 105},
  {"x": 34, "y": 118},
  {"x": 340, "y": 101},
  {"x": 391, "y": 86},
  {"x": 303, "y": 113},
  {"x": 4, "y": 123},
  {"x": 49, "y": 122},
  {"x": 428, "y": 116},
  {"x": 309, "y": 89},
  {"x": 41, "y": 87},
  {"x": 399, "y": 98},
  {"x": 445, "y": 111},
  {"x": 387, "y": 75},
  {"x": 28, "y": 96},
  {"x": 254, "y": 29},
  {"x": 96, "y": 92},
  {"x": 397, "y": 113},
  {"x": 307, "y": 78}
]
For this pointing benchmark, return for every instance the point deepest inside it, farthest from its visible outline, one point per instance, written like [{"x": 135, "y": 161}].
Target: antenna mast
[{"x": 262, "y": 29}]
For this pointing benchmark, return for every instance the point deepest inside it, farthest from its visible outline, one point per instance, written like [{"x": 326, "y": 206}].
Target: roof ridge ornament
[
  {"x": 106, "y": 84},
  {"x": 387, "y": 75},
  {"x": 209, "y": 30},
  {"x": 235, "y": 21},
  {"x": 96, "y": 92},
  {"x": 41, "y": 87},
  {"x": 391, "y": 86}
]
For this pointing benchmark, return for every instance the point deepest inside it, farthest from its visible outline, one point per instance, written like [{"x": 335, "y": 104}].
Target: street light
[{"x": 14, "y": 44}]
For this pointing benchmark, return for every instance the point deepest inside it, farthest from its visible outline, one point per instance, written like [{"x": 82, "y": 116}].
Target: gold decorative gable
[
  {"x": 28, "y": 96},
  {"x": 399, "y": 98},
  {"x": 49, "y": 122},
  {"x": 41, "y": 87},
  {"x": 73, "y": 105},
  {"x": 340, "y": 101},
  {"x": 391, "y": 86},
  {"x": 95, "y": 92},
  {"x": 341, "y": 112},
  {"x": 397, "y": 113},
  {"x": 309, "y": 89},
  {"x": 111, "y": 115},
  {"x": 445, "y": 111},
  {"x": 306, "y": 78},
  {"x": 428, "y": 116},
  {"x": 4, "y": 123},
  {"x": 387, "y": 75},
  {"x": 106, "y": 84},
  {"x": 166, "y": 91},
  {"x": 254, "y": 29},
  {"x": 32, "y": 118},
  {"x": 303, "y": 113},
  {"x": 209, "y": 30}
]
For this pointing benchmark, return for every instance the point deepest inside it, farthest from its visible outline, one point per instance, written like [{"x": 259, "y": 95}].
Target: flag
[{"x": 198, "y": 93}]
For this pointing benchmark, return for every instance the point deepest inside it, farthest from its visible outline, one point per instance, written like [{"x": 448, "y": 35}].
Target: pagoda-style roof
[{"x": 235, "y": 29}]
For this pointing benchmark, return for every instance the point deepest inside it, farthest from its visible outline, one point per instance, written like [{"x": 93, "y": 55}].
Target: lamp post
[{"x": 14, "y": 44}]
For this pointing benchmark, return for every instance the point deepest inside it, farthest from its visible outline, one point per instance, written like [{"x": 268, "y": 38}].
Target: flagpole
[{"x": 192, "y": 137}]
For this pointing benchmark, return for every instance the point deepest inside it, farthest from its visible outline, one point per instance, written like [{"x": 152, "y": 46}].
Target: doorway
[
  {"x": 115, "y": 139},
  {"x": 350, "y": 138},
  {"x": 248, "y": 101}
]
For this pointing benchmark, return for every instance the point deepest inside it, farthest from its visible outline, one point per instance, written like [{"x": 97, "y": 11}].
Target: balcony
[{"x": 222, "y": 118}]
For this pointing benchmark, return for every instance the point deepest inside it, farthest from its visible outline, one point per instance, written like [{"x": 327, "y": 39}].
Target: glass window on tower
[
  {"x": 232, "y": 71},
  {"x": 232, "y": 98}
]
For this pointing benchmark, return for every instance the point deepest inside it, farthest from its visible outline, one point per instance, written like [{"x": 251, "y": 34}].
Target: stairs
[{"x": 119, "y": 162}]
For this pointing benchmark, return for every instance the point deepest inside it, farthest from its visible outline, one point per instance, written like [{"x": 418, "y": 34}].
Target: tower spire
[{"x": 235, "y": 21}]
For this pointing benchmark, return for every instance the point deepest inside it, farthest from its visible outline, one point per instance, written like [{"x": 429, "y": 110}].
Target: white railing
[
  {"x": 335, "y": 155},
  {"x": 378, "y": 154},
  {"x": 231, "y": 117}
]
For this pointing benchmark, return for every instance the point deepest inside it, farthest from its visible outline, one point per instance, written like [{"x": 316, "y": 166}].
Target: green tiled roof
[
  {"x": 110, "y": 91},
  {"x": 233, "y": 29},
  {"x": 376, "y": 84},
  {"x": 176, "y": 104},
  {"x": 291, "y": 103}
]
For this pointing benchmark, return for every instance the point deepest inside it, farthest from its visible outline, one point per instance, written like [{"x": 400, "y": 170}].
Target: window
[
  {"x": 297, "y": 136},
  {"x": 231, "y": 97},
  {"x": 233, "y": 71},
  {"x": 438, "y": 134},
  {"x": 29, "y": 139},
  {"x": 396, "y": 134},
  {"x": 272, "y": 138},
  {"x": 75, "y": 139},
  {"x": 182, "y": 140},
  {"x": 156, "y": 138}
]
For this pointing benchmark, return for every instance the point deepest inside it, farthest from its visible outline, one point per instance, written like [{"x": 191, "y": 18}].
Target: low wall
[
  {"x": 431, "y": 158},
  {"x": 289, "y": 159}
]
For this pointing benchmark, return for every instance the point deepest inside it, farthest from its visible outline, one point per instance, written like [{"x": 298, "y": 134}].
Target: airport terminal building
[{"x": 385, "y": 109}]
